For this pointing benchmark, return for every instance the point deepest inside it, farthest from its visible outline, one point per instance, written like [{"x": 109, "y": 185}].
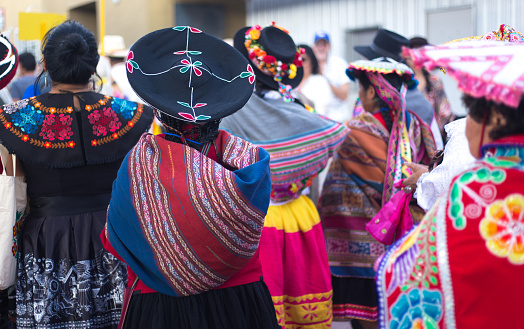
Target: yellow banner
[{"x": 33, "y": 26}]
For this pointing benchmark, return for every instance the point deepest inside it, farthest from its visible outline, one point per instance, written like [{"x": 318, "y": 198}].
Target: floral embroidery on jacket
[
  {"x": 104, "y": 121},
  {"x": 12, "y": 108},
  {"x": 503, "y": 228},
  {"x": 57, "y": 127},
  {"x": 420, "y": 308},
  {"x": 28, "y": 119},
  {"x": 124, "y": 107}
]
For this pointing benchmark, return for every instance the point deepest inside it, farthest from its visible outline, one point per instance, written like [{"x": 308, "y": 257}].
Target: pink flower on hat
[{"x": 130, "y": 63}]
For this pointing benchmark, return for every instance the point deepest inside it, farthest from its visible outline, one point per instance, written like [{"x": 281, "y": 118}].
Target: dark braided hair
[{"x": 200, "y": 133}]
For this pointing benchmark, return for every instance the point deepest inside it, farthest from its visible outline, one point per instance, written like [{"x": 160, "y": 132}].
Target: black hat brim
[
  {"x": 238, "y": 43},
  {"x": 213, "y": 98},
  {"x": 367, "y": 52}
]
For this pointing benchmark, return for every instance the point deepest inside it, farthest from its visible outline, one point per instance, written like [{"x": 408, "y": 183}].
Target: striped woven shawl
[{"x": 183, "y": 222}]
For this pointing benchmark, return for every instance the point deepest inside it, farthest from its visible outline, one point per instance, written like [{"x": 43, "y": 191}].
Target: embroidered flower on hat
[{"x": 130, "y": 63}]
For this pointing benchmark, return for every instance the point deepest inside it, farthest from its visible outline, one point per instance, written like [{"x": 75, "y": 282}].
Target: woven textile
[
  {"x": 180, "y": 199},
  {"x": 299, "y": 142},
  {"x": 352, "y": 192}
]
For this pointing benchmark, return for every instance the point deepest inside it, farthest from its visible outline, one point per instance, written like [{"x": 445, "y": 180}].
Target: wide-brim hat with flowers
[
  {"x": 273, "y": 53},
  {"x": 8, "y": 61},
  {"x": 189, "y": 74},
  {"x": 488, "y": 66}
]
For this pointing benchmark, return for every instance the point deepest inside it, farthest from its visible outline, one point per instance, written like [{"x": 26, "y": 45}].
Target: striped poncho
[{"x": 299, "y": 142}]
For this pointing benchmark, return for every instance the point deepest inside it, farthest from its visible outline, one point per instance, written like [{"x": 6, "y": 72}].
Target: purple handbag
[{"x": 394, "y": 219}]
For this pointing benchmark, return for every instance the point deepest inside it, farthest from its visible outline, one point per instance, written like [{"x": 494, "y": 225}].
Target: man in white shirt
[{"x": 333, "y": 68}]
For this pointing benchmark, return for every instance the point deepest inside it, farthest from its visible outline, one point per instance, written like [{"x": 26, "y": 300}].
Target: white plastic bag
[{"x": 13, "y": 202}]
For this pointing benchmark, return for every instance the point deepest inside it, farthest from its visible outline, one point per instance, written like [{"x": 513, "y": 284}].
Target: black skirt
[
  {"x": 66, "y": 279},
  {"x": 354, "y": 298},
  {"x": 246, "y": 306}
]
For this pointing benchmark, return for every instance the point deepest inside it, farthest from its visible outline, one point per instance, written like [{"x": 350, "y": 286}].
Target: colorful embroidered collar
[{"x": 45, "y": 130}]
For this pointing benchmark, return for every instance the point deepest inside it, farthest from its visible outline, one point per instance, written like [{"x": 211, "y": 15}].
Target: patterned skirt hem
[
  {"x": 350, "y": 311},
  {"x": 308, "y": 311}
]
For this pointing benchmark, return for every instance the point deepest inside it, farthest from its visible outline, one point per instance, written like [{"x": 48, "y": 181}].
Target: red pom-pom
[
  {"x": 252, "y": 55},
  {"x": 283, "y": 67}
]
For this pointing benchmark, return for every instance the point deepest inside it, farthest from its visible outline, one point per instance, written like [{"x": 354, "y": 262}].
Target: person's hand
[{"x": 417, "y": 171}]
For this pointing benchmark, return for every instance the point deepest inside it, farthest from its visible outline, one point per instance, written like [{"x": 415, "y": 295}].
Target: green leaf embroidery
[
  {"x": 133, "y": 64},
  {"x": 184, "y": 104},
  {"x": 246, "y": 74},
  {"x": 184, "y": 69},
  {"x": 194, "y": 52},
  {"x": 498, "y": 176},
  {"x": 179, "y": 28},
  {"x": 203, "y": 117}
]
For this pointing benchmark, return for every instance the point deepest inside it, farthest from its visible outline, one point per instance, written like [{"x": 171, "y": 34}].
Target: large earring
[{"x": 45, "y": 80}]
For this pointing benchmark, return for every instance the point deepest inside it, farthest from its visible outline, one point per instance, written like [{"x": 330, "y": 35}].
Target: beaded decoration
[
  {"x": 504, "y": 33},
  {"x": 190, "y": 66},
  {"x": 269, "y": 64}
]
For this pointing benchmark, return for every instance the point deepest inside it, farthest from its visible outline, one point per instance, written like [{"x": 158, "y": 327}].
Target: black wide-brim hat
[
  {"x": 8, "y": 61},
  {"x": 276, "y": 43},
  {"x": 385, "y": 44},
  {"x": 189, "y": 74}
]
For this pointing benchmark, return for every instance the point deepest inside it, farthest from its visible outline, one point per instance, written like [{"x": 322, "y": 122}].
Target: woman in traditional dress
[
  {"x": 70, "y": 143},
  {"x": 361, "y": 180},
  {"x": 188, "y": 207},
  {"x": 462, "y": 267},
  {"x": 292, "y": 249}
]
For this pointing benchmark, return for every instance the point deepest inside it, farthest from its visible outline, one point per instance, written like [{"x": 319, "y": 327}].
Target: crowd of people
[{"x": 261, "y": 198}]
